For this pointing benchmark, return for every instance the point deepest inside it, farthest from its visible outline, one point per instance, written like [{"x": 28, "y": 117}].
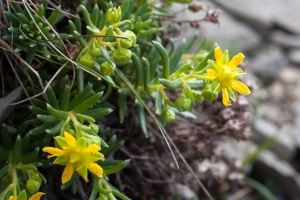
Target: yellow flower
[
  {"x": 76, "y": 155},
  {"x": 36, "y": 196},
  {"x": 226, "y": 73}
]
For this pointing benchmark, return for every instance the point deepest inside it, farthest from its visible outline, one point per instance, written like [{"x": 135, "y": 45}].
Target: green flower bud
[
  {"x": 183, "y": 103},
  {"x": 197, "y": 96},
  {"x": 94, "y": 128},
  {"x": 87, "y": 60},
  {"x": 32, "y": 186},
  {"x": 121, "y": 55},
  {"x": 113, "y": 15},
  {"x": 92, "y": 139},
  {"x": 209, "y": 94},
  {"x": 126, "y": 43},
  {"x": 169, "y": 115},
  {"x": 95, "y": 50},
  {"x": 106, "y": 69}
]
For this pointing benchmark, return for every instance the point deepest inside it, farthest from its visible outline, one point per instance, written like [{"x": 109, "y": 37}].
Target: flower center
[{"x": 226, "y": 76}]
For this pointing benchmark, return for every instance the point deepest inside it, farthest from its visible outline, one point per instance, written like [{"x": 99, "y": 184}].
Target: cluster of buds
[{"x": 110, "y": 36}]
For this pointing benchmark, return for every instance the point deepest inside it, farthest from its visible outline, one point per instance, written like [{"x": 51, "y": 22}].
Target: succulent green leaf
[
  {"x": 201, "y": 66},
  {"x": 88, "y": 103},
  {"x": 56, "y": 129},
  {"x": 94, "y": 15},
  {"x": 51, "y": 97},
  {"x": 112, "y": 169},
  {"x": 176, "y": 56},
  {"x": 27, "y": 167},
  {"x": 122, "y": 107},
  {"x": 81, "y": 96},
  {"x": 57, "y": 113},
  {"x": 165, "y": 58},
  {"x": 37, "y": 110},
  {"x": 192, "y": 42},
  {"x": 98, "y": 113},
  {"x": 16, "y": 153},
  {"x": 158, "y": 102},
  {"x": 173, "y": 84},
  {"x": 195, "y": 84},
  {"x": 31, "y": 156},
  {"x": 48, "y": 118},
  {"x": 39, "y": 130},
  {"x": 15, "y": 21},
  {"x": 138, "y": 69},
  {"x": 5, "y": 137},
  {"x": 126, "y": 8},
  {"x": 141, "y": 118}
]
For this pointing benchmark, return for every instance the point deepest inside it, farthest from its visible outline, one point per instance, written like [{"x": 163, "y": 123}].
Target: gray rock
[
  {"x": 5, "y": 108},
  {"x": 268, "y": 62},
  {"x": 290, "y": 75},
  {"x": 285, "y": 40},
  {"x": 228, "y": 34},
  {"x": 183, "y": 191},
  {"x": 281, "y": 139},
  {"x": 294, "y": 56},
  {"x": 264, "y": 14},
  {"x": 269, "y": 166}
]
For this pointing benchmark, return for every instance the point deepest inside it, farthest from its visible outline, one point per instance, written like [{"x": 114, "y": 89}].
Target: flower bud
[
  {"x": 95, "y": 50},
  {"x": 126, "y": 43},
  {"x": 209, "y": 94},
  {"x": 183, "y": 103},
  {"x": 94, "y": 128},
  {"x": 113, "y": 15},
  {"x": 197, "y": 96},
  {"x": 106, "y": 69},
  {"x": 121, "y": 55},
  {"x": 169, "y": 115},
  {"x": 87, "y": 60},
  {"x": 32, "y": 186}
]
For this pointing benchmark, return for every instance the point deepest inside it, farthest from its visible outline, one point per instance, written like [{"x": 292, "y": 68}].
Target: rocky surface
[{"x": 268, "y": 33}]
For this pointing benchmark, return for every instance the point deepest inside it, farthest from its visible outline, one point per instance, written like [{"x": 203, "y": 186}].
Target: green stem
[
  {"x": 80, "y": 79},
  {"x": 14, "y": 180}
]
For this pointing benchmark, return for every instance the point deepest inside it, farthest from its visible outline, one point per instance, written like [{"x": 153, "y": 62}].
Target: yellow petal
[
  {"x": 93, "y": 148},
  {"x": 236, "y": 60},
  {"x": 12, "y": 198},
  {"x": 96, "y": 169},
  {"x": 70, "y": 139},
  {"x": 36, "y": 196},
  {"x": 225, "y": 98},
  {"x": 53, "y": 151},
  {"x": 67, "y": 174},
  {"x": 240, "y": 87},
  {"x": 211, "y": 73},
  {"x": 218, "y": 55}
]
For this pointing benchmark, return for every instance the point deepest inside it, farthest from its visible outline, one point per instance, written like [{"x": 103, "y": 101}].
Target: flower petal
[
  {"x": 53, "y": 151},
  {"x": 36, "y": 196},
  {"x": 93, "y": 148},
  {"x": 12, "y": 198},
  {"x": 70, "y": 139},
  {"x": 236, "y": 60},
  {"x": 240, "y": 87},
  {"x": 218, "y": 55},
  {"x": 211, "y": 73},
  {"x": 96, "y": 169},
  {"x": 67, "y": 174},
  {"x": 225, "y": 98}
]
